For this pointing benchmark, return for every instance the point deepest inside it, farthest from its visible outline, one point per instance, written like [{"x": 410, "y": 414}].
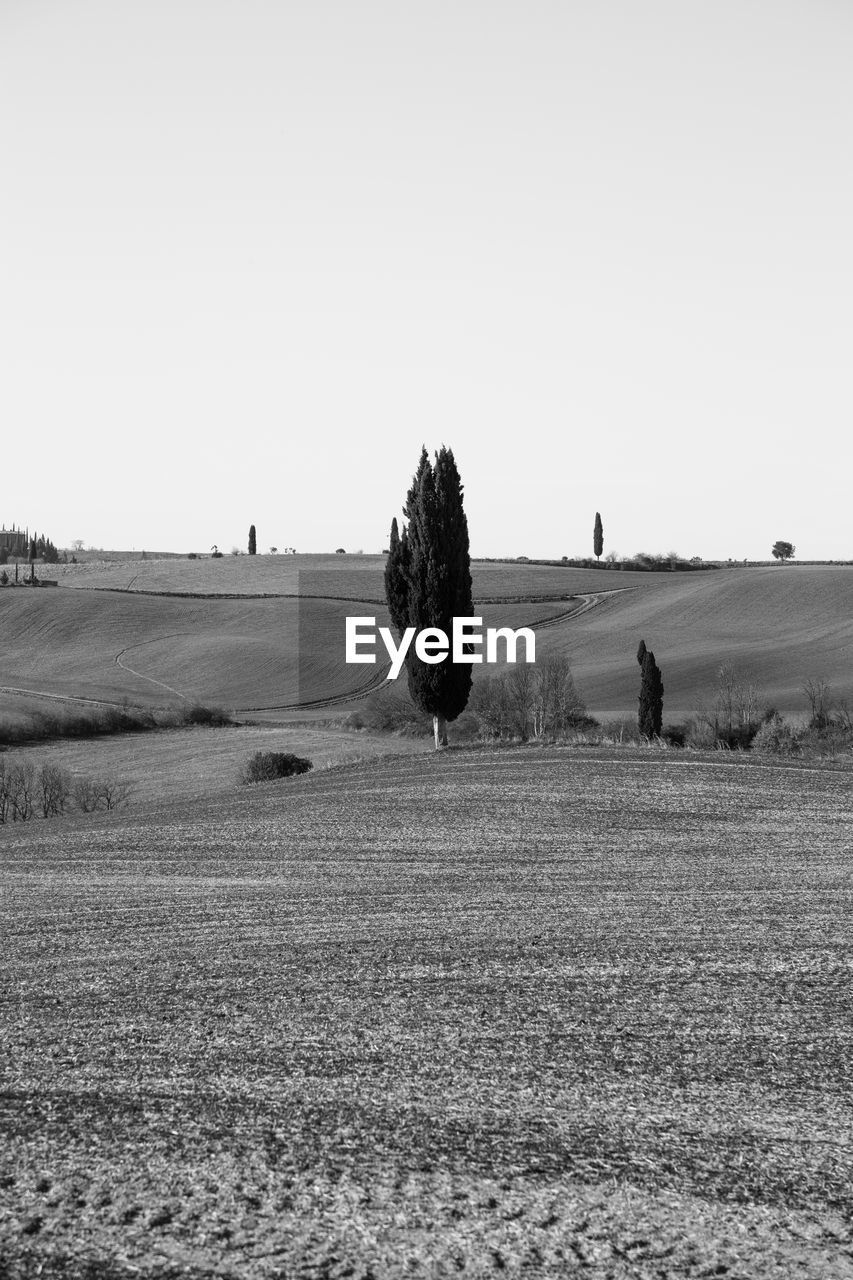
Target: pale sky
[{"x": 254, "y": 253}]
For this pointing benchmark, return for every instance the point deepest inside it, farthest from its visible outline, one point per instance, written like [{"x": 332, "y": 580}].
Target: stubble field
[{"x": 522, "y": 1012}]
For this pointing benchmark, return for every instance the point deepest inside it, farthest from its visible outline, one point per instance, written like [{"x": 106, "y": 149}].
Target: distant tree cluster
[
  {"x": 538, "y": 701},
  {"x": 14, "y": 542},
  {"x": 30, "y": 791}
]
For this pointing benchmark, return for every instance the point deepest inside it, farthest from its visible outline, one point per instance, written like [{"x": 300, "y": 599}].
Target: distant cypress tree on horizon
[
  {"x": 598, "y": 536},
  {"x": 650, "y": 717},
  {"x": 253, "y": 541}
]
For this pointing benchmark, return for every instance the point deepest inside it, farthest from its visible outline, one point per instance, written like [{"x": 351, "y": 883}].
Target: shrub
[
  {"x": 267, "y": 766},
  {"x": 701, "y": 735},
  {"x": 619, "y": 731},
  {"x": 776, "y": 737},
  {"x": 214, "y": 717},
  {"x": 389, "y": 712},
  {"x": 675, "y": 734}
]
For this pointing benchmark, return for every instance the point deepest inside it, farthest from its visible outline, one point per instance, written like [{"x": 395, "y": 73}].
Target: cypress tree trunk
[{"x": 439, "y": 728}]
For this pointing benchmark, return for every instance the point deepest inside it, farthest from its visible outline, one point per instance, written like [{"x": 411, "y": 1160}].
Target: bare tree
[
  {"x": 86, "y": 795},
  {"x": 819, "y": 697},
  {"x": 844, "y": 715},
  {"x": 749, "y": 704},
  {"x": 526, "y": 701},
  {"x": 114, "y": 793},
  {"x": 726, "y": 699},
  {"x": 53, "y": 790},
  {"x": 555, "y": 700},
  {"x": 23, "y": 791},
  {"x": 5, "y": 792}
]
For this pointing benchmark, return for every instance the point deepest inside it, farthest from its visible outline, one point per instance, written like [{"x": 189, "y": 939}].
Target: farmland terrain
[
  {"x": 533, "y": 1012},
  {"x": 265, "y": 634},
  {"x": 179, "y": 764}
]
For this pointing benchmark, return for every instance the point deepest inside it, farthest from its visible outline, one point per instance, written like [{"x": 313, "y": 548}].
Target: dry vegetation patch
[{"x": 493, "y": 1011}]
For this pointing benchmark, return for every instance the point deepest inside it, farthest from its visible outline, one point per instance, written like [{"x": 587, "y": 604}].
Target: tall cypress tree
[
  {"x": 428, "y": 583},
  {"x": 650, "y": 716},
  {"x": 598, "y": 536},
  {"x": 253, "y": 541},
  {"x": 457, "y": 587}
]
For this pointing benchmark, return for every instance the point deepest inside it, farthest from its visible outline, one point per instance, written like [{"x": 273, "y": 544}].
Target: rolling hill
[{"x": 273, "y": 636}]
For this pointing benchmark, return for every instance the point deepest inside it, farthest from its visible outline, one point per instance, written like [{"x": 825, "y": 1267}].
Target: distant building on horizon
[{"x": 15, "y": 541}]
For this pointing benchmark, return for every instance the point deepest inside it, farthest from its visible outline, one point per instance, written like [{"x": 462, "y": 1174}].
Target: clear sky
[{"x": 254, "y": 253}]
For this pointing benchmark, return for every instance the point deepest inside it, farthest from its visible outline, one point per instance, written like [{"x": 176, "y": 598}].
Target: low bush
[
  {"x": 776, "y": 737},
  {"x": 675, "y": 734},
  {"x": 389, "y": 712},
  {"x": 267, "y": 766},
  {"x": 73, "y": 722},
  {"x": 618, "y": 732},
  {"x": 213, "y": 717},
  {"x": 701, "y": 735}
]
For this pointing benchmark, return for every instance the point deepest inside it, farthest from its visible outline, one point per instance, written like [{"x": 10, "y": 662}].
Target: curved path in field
[
  {"x": 581, "y": 603},
  {"x": 379, "y": 677},
  {"x": 139, "y": 674}
]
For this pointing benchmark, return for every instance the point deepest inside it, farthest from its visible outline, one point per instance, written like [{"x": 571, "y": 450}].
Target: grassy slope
[
  {"x": 554, "y": 1009},
  {"x": 157, "y": 649},
  {"x": 779, "y": 626},
  {"x": 198, "y": 762}
]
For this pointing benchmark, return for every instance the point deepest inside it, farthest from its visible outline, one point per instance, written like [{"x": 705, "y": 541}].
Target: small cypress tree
[
  {"x": 598, "y": 536},
  {"x": 650, "y": 717},
  {"x": 641, "y": 652},
  {"x": 396, "y": 578},
  {"x": 253, "y": 541}
]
